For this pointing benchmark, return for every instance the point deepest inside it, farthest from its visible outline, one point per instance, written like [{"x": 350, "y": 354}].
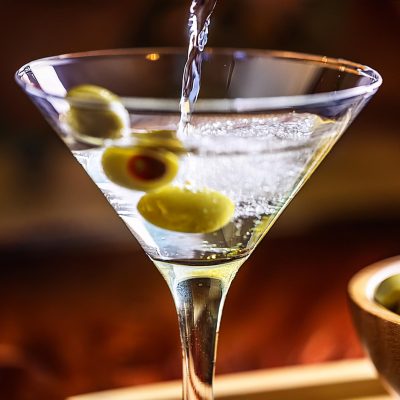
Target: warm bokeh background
[{"x": 81, "y": 307}]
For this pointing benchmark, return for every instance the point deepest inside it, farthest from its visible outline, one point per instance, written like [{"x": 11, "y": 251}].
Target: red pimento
[{"x": 146, "y": 168}]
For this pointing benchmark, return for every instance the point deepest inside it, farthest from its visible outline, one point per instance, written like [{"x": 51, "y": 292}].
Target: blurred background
[{"x": 82, "y": 308}]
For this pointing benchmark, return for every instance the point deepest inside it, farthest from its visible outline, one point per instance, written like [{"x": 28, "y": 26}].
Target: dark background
[{"x": 81, "y": 307}]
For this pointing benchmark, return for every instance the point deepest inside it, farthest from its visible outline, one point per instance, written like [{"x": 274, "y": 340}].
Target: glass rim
[{"x": 220, "y": 105}]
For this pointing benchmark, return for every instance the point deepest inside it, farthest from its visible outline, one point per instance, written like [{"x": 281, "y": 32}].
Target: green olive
[
  {"x": 160, "y": 134},
  {"x": 95, "y": 114},
  {"x": 165, "y": 139},
  {"x": 387, "y": 293},
  {"x": 183, "y": 210},
  {"x": 140, "y": 168}
]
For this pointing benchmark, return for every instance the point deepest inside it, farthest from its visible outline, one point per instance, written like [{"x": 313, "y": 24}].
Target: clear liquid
[{"x": 258, "y": 162}]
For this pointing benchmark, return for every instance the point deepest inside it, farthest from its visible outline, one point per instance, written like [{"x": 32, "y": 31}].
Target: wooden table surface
[{"x": 345, "y": 380}]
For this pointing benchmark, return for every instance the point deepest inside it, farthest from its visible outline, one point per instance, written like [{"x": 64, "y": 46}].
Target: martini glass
[{"x": 199, "y": 197}]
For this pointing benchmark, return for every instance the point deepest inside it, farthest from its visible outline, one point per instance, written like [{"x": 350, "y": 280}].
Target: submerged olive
[
  {"x": 139, "y": 168},
  {"x": 183, "y": 210}
]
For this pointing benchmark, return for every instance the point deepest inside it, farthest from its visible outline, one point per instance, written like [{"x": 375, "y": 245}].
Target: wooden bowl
[{"x": 377, "y": 327}]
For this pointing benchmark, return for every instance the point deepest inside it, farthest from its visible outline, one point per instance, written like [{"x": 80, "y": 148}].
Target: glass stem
[
  {"x": 199, "y": 303},
  {"x": 199, "y": 295}
]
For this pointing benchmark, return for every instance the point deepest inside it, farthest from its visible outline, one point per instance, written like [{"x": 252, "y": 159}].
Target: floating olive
[{"x": 95, "y": 114}]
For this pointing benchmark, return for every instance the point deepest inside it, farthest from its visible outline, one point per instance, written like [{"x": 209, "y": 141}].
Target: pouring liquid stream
[{"x": 199, "y": 21}]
